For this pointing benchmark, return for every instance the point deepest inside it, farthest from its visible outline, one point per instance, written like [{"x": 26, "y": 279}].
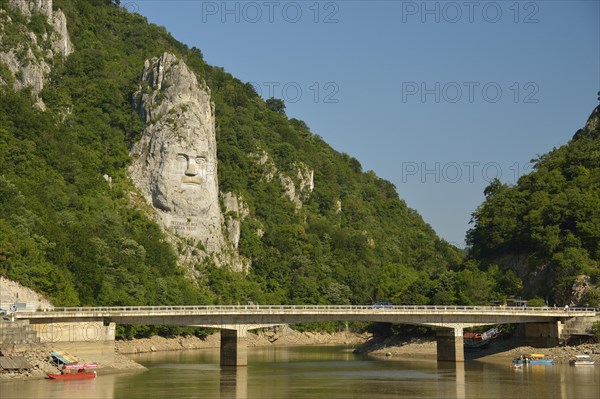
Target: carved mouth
[{"x": 196, "y": 180}]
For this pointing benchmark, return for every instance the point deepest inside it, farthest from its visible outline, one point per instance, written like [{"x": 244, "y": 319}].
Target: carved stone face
[
  {"x": 176, "y": 167},
  {"x": 180, "y": 183}
]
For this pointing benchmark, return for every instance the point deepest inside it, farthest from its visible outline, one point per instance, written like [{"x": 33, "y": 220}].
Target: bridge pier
[
  {"x": 450, "y": 344},
  {"x": 234, "y": 352}
]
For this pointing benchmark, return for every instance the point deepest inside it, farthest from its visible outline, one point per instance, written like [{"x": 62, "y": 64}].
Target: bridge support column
[
  {"x": 233, "y": 348},
  {"x": 450, "y": 344}
]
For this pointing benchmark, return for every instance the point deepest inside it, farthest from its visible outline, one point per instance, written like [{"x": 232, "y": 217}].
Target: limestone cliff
[
  {"x": 235, "y": 211},
  {"x": 29, "y": 55},
  {"x": 175, "y": 161},
  {"x": 12, "y": 292},
  {"x": 297, "y": 187},
  {"x": 592, "y": 126}
]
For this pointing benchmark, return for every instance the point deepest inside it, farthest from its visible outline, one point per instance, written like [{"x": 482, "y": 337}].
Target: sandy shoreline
[{"x": 286, "y": 337}]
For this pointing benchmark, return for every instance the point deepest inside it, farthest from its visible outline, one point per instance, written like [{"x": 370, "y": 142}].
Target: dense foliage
[
  {"x": 547, "y": 228},
  {"x": 67, "y": 232}
]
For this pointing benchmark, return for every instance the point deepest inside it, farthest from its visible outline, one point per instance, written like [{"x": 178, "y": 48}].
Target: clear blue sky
[{"x": 437, "y": 97}]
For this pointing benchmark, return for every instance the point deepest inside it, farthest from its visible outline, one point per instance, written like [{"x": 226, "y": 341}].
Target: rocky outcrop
[
  {"x": 11, "y": 292},
  {"x": 338, "y": 206},
  {"x": 175, "y": 161},
  {"x": 580, "y": 287},
  {"x": 235, "y": 211},
  {"x": 297, "y": 187},
  {"x": 27, "y": 55},
  {"x": 592, "y": 126},
  {"x": 60, "y": 39}
]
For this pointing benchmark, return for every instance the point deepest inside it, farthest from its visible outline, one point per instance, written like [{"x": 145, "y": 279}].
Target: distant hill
[
  {"x": 546, "y": 229},
  {"x": 312, "y": 226}
]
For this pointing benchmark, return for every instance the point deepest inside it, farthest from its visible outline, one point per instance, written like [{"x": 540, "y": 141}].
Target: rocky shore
[
  {"x": 35, "y": 354},
  {"x": 396, "y": 347},
  {"x": 38, "y": 356},
  {"x": 560, "y": 354}
]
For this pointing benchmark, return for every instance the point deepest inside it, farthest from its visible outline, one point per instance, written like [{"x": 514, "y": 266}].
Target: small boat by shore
[
  {"x": 477, "y": 341},
  {"x": 582, "y": 360},
  {"x": 74, "y": 372},
  {"x": 533, "y": 358}
]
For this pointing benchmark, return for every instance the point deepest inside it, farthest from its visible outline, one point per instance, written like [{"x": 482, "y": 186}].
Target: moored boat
[
  {"x": 533, "y": 358},
  {"x": 475, "y": 340},
  {"x": 74, "y": 372},
  {"x": 582, "y": 360}
]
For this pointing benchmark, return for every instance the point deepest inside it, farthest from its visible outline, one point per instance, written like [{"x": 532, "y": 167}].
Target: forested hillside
[
  {"x": 69, "y": 233},
  {"x": 546, "y": 229}
]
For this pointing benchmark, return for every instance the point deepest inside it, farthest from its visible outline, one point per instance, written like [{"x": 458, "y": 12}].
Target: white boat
[{"x": 582, "y": 360}]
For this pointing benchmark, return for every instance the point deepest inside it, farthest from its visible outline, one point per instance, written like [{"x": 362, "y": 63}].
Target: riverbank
[
  {"x": 280, "y": 337},
  {"x": 38, "y": 356},
  {"x": 391, "y": 348},
  {"x": 397, "y": 347}
]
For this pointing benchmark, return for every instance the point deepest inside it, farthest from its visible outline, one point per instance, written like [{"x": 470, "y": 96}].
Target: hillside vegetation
[
  {"x": 69, "y": 234},
  {"x": 546, "y": 229}
]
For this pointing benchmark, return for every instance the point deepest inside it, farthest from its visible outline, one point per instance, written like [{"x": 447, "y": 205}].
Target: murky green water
[{"x": 318, "y": 373}]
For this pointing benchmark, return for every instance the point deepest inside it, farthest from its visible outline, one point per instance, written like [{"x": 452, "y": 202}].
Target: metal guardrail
[{"x": 321, "y": 308}]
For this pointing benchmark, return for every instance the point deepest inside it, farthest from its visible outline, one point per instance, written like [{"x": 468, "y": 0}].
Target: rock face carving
[
  {"x": 175, "y": 164},
  {"x": 30, "y": 62}
]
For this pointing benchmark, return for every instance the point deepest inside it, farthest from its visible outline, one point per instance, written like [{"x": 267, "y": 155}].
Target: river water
[{"x": 318, "y": 373}]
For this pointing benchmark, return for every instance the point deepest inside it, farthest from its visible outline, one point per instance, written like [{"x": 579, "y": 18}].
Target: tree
[{"x": 276, "y": 105}]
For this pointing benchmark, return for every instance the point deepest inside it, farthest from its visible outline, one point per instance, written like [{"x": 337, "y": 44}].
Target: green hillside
[
  {"x": 546, "y": 229},
  {"x": 65, "y": 232}
]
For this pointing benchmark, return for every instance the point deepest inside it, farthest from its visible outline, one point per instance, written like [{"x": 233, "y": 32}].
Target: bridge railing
[{"x": 322, "y": 308}]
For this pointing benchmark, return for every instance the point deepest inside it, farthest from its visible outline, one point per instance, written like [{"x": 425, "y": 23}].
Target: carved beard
[{"x": 184, "y": 199}]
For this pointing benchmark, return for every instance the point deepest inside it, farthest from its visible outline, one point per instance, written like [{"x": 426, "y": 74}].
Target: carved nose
[{"x": 192, "y": 167}]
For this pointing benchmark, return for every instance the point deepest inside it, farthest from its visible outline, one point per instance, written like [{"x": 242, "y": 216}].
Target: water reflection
[
  {"x": 460, "y": 381},
  {"x": 453, "y": 374},
  {"x": 318, "y": 373},
  {"x": 97, "y": 388},
  {"x": 234, "y": 383}
]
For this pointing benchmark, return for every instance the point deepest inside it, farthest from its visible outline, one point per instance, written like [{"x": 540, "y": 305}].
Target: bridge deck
[
  {"x": 236, "y": 321},
  {"x": 462, "y": 312}
]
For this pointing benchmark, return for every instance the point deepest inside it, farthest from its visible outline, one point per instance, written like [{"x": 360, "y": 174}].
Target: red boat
[{"x": 77, "y": 372}]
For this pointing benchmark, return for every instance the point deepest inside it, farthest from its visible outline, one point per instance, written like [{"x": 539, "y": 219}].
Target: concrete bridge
[{"x": 543, "y": 325}]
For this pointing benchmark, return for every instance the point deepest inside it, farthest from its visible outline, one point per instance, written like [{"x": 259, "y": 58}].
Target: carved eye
[
  {"x": 181, "y": 158},
  {"x": 200, "y": 160}
]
